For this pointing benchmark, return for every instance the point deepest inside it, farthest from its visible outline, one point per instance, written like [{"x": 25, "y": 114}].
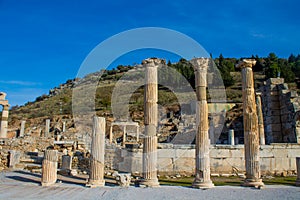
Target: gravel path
[{"x": 22, "y": 185}]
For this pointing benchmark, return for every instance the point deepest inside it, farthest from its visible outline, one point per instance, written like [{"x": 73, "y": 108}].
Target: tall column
[
  {"x": 49, "y": 169},
  {"x": 202, "y": 178},
  {"x": 22, "y": 129},
  {"x": 64, "y": 127},
  {"x": 4, "y": 121},
  {"x": 260, "y": 118},
  {"x": 96, "y": 178},
  {"x": 47, "y": 128},
  {"x": 124, "y": 135},
  {"x": 137, "y": 133},
  {"x": 298, "y": 171},
  {"x": 150, "y": 120},
  {"x": 251, "y": 134},
  {"x": 111, "y": 134}
]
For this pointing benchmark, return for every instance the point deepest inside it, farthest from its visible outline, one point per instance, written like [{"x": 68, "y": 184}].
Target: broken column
[
  {"x": 49, "y": 169},
  {"x": 22, "y": 129},
  {"x": 202, "y": 178},
  {"x": 4, "y": 121},
  {"x": 47, "y": 128},
  {"x": 150, "y": 115},
  {"x": 96, "y": 178},
  {"x": 64, "y": 127},
  {"x": 124, "y": 136},
  {"x": 260, "y": 119},
  {"x": 231, "y": 137},
  {"x": 251, "y": 134},
  {"x": 298, "y": 171}
]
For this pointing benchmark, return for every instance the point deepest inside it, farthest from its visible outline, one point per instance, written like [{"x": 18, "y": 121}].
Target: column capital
[
  {"x": 246, "y": 63},
  {"x": 153, "y": 62},
  {"x": 200, "y": 63}
]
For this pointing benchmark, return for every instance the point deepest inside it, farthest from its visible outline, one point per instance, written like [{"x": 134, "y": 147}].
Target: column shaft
[
  {"x": 49, "y": 169},
  {"x": 202, "y": 177},
  {"x": 22, "y": 129},
  {"x": 4, "y": 122},
  {"x": 96, "y": 178},
  {"x": 47, "y": 128},
  {"x": 298, "y": 171},
  {"x": 260, "y": 118},
  {"x": 150, "y": 119},
  {"x": 251, "y": 134}
]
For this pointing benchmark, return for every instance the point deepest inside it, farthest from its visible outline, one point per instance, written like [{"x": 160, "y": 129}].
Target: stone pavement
[{"x": 25, "y": 185}]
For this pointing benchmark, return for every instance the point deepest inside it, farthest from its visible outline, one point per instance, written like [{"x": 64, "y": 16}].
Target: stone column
[
  {"x": 22, "y": 129},
  {"x": 202, "y": 178},
  {"x": 260, "y": 118},
  {"x": 137, "y": 133},
  {"x": 47, "y": 128},
  {"x": 231, "y": 137},
  {"x": 49, "y": 169},
  {"x": 111, "y": 134},
  {"x": 251, "y": 134},
  {"x": 298, "y": 171},
  {"x": 96, "y": 178},
  {"x": 64, "y": 127},
  {"x": 4, "y": 121},
  {"x": 124, "y": 135},
  {"x": 150, "y": 114}
]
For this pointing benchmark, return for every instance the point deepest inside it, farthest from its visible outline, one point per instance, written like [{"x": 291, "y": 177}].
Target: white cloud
[{"x": 23, "y": 83}]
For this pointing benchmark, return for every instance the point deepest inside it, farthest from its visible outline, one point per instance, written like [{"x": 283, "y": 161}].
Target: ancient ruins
[{"x": 129, "y": 152}]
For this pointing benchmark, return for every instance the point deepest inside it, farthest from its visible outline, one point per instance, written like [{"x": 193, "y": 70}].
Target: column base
[
  {"x": 253, "y": 183},
  {"x": 95, "y": 183},
  {"x": 297, "y": 183},
  {"x": 149, "y": 183},
  {"x": 48, "y": 184},
  {"x": 203, "y": 185}
]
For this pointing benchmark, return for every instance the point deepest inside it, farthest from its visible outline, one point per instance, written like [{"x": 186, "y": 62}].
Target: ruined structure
[
  {"x": 4, "y": 118},
  {"x": 279, "y": 107},
  {"x": 96, "y": 178},
  {"x": 150, "y": 119},
  {"x": 298, "y": 171},
  {"x": 126, "y": 133},
  {"x": 251, "y": 134},
  {"x": 202, "y": 178},
  {"x": 49, "y": 171}
]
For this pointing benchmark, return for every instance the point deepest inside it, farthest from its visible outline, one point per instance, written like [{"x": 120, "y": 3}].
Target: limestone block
[
  {"x": 275, "y": 81},
  {"x": 184, "y": 164},
  {"x": 165, "y": 164}
]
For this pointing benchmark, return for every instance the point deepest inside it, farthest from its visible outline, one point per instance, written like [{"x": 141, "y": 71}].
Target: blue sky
[{"x": 43, "y": 43}]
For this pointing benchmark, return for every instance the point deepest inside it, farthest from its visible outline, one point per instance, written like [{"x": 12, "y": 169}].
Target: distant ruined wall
[
  {"x": 224, "y": 159},
  {"x": 279, "y": 107}
]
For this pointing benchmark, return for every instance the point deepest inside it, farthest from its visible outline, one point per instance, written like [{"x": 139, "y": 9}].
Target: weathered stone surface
[
  {"x": 96, "y": 177},
  {"x": 202, "y": 177},
  {"x": 49, "y": 171},
  {"x": 251, "y": 134}
]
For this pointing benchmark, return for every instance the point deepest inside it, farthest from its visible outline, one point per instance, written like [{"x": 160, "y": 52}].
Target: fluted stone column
[
  {"x": 202, "y": 179},
  {"x": 260, "y": 118},
  {"x": 96, "y": 178},
  {"x": 150, "y": 115},
  {"x": 251, "y": 134},
  {"x": 49, "y": 169},
  {"x": 4, "y": 121},
  {"x": 47, "y": 128},
  {"x": 22, "y": 128},
  {"x": 298, "y": 171}
]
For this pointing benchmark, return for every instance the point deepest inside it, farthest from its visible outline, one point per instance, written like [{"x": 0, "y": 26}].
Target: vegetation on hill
[{"x": 59, "y": 100}]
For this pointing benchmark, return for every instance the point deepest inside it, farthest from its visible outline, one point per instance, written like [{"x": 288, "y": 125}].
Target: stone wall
[
  {"x": 225, "y": 159},
  {"x": 279, "y": 106}
]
